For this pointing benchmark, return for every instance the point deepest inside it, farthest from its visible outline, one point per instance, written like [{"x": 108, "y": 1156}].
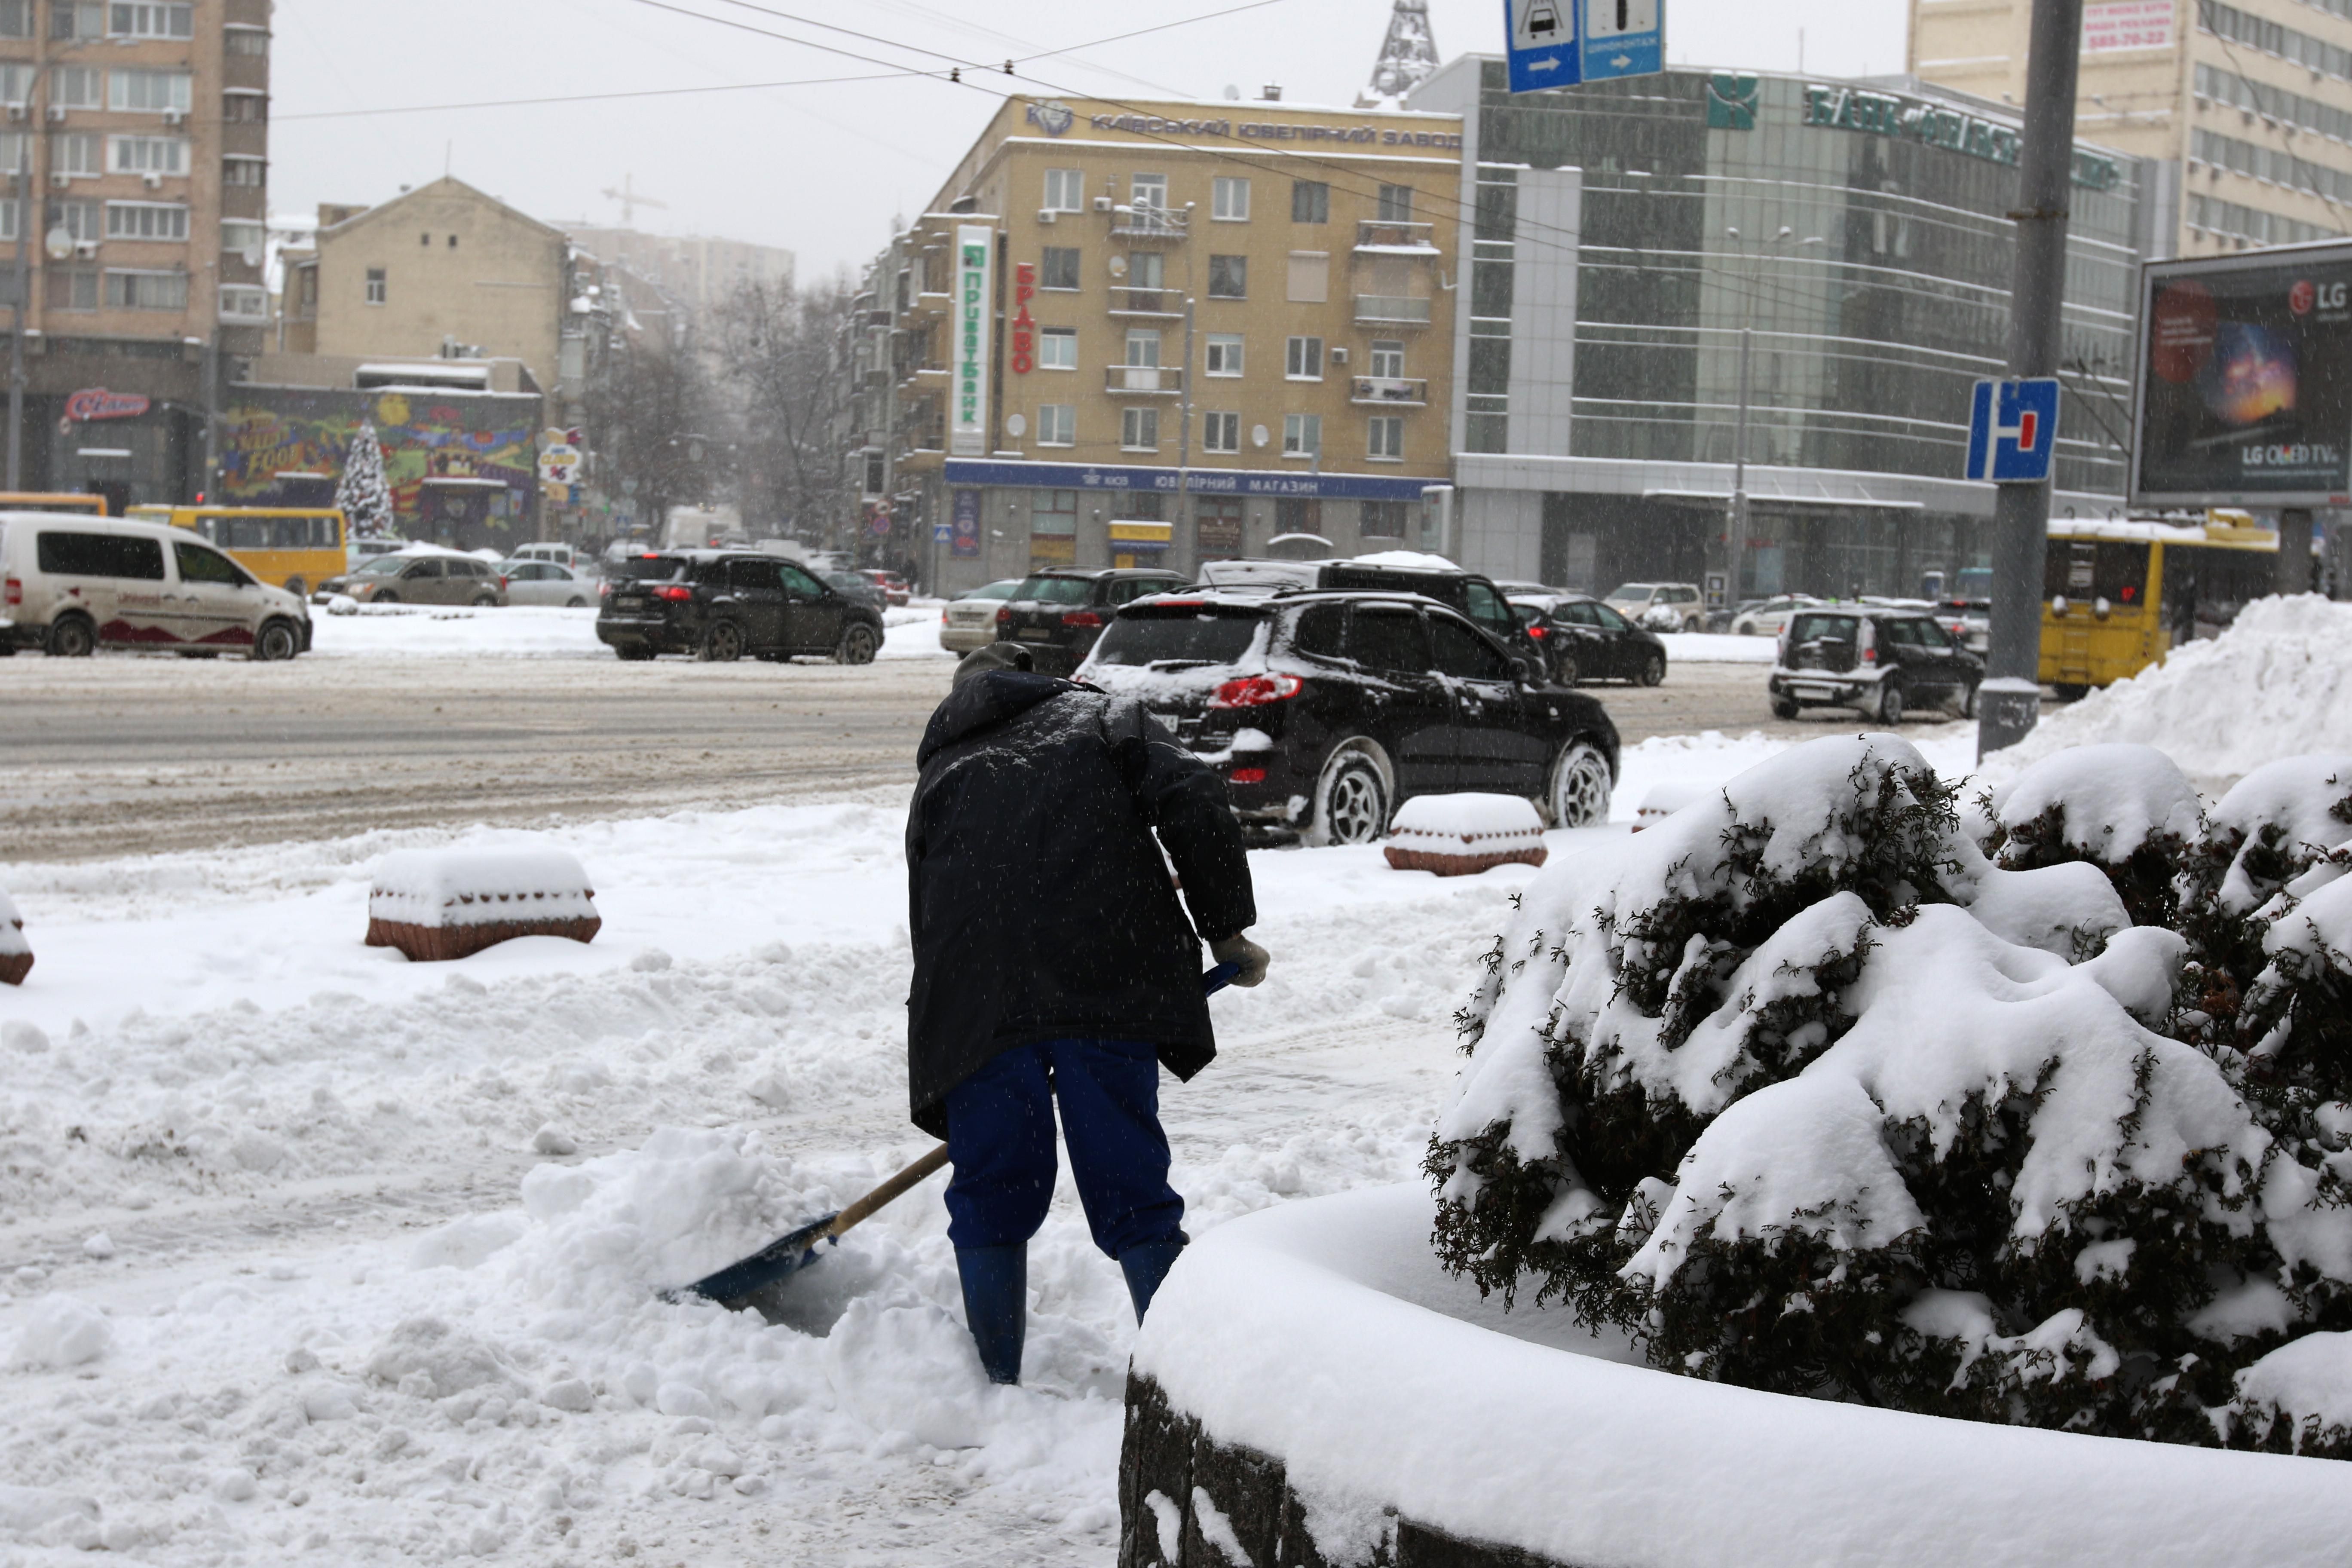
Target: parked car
[
  {"x": 546, "y": 582},
  {"x": 1584, "y": 639},
  {"x": 719, "y": 604},
  {"x": 418, "y": 577},
  {"x": 1969, "y": 621},
  {"x": 1881, "y": 662},
  {"x": 969, "y": 622},
  {"x": 1324, "y": 711},
  {"x": 1476, "y": 597},
  {"x": 893, "y": 587},
  {"x": 856, "y": 588},
  {"x": 358, "y": 553},
  {"x": 71, "y": 585},
  {"x": 1058, "y": 612},
  {"x": 563, "y": 555},
  {"x": 1681, "y": 603},
  {"x": 1767, "y": 617}
]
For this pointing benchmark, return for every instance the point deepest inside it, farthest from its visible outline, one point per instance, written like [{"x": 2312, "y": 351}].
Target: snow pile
[
  {"x": 2276, "y": 684},
  {"x": 479, "y": 887},
  {"x": 1809, "y": 1094},
  {"x": 15, "y": 953},
  {"x": 63, "y": 1332},
  {"x": 1462, "y": 835}
]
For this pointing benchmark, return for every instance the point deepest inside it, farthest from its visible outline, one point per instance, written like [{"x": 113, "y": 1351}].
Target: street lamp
[{"x": 1735, "y": 520}]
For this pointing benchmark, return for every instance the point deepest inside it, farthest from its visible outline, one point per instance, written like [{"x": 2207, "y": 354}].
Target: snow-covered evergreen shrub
[
  {"x": 1811, "y": 1096},
  {"x": 2126, "y": 809},
  {"x": 362, "y": 492}
]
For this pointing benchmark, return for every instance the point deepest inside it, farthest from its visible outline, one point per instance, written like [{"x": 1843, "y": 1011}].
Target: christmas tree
[{"x": 365, "y": 497}]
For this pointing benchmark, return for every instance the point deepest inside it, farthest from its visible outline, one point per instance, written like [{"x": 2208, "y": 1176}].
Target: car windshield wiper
[{"x": 1177, "y": 663}]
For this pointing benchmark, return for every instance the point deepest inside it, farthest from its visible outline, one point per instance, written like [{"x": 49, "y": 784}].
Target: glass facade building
[{"x": 1657, "y": 264}]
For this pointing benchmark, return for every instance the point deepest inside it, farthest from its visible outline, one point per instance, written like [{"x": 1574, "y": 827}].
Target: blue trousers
[{"x": 1000, "y": 1140}]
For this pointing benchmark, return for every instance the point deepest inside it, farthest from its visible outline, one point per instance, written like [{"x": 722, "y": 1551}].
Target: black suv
[
  {"x": 1473, "y": 595},
  {"x": 1324, "y": 711},
  {"x": 1585, "y": 639},
  {"x": 1881, "y": 662},
  {"x": 720, "y": 604},
  {"x": 1058, "y": 612}
]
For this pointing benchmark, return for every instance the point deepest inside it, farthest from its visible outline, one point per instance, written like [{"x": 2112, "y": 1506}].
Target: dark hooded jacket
[{"x": 1039, "y": 903}]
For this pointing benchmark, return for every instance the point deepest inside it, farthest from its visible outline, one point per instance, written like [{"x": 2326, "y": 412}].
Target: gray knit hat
[{"x": 995, "y": 655}]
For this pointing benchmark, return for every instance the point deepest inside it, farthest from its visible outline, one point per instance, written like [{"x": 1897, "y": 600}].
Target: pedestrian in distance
[{"x": 1055, "y": 966}]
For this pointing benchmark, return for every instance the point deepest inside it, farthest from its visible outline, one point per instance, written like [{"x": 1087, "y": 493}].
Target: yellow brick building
[{"x": 1170, "y": 332}]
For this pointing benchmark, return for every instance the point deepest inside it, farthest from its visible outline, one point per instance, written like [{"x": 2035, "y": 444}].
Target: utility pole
[
  {"x": 2010, "y": 702},
  {"x": 1736, "y": 523},
  {"x": 25, "y": 227},
  {"x": 1185, "y": 435}
]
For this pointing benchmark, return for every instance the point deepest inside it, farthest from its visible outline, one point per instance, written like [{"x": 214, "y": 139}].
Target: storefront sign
[
  {"x": 97, "y": 403},
  {"x": 2126, "y": 25},
  {"x": 1257, "y": 130},
  {"x": 1198, "y": 481},
  {"x": 964, "y": 541},
  {"x": 1884, "y": 114},
  {"x": 1025, "y": 329},
  {"x": 967, "y": 421},
  {"x": 558, "y": 463}
]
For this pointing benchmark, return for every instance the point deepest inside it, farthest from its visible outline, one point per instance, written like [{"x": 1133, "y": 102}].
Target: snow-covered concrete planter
[
  {"x": 1312, "y": 1388},
  {"x": 15, "y": 953},
  {"x": 437, "y": 904},
  {"x": 1463, "y": 834}
]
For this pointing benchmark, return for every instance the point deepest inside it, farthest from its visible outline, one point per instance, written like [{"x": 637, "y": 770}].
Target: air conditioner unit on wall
[
  {"x": 61, "y": 181},
  {"x": 85, "y": 248},
  {"x": 154, "y": 182},
  {"x": 57, "y": 114},
  {"x": 15, "y": 112},
  {"x": 1102, "y": 204},
  {"x": 1339, "y": 355},
  {"x": 174, "y": 116},
  {"x": 1045, "y": 214}
]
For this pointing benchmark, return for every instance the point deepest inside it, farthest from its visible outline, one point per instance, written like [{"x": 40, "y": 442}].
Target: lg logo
[{"x": 2306, "y": 295}]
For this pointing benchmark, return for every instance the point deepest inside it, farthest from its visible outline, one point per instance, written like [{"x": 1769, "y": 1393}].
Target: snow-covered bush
[{"x": 1808, "y": 1094}]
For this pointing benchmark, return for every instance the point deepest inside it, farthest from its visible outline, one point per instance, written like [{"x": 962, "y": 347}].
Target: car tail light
[
  {"x": 603, "y": 590},
  {"x": 1256, "y": 692},
  {"x": 1082, "y": 618},
  {"x": 1249, "y": 776},
  {"x": 16, "y": 592},
  {"x": 675, "y": 594},
  {"x": 1538, "y": 632},
  {"x": 502, "y": 584},
  {"x": 1004, "y": 617}
]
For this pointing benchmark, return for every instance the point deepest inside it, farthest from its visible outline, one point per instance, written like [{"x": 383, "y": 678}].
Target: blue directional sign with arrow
[{"x": 1559, "y": 43}]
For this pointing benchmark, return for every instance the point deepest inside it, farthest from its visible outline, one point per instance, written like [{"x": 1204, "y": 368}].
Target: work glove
[{"x": 1239, "y": 950}]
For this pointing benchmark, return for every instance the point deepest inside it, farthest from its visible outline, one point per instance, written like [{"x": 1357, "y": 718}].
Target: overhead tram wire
[{"x": 602, "y": 96}]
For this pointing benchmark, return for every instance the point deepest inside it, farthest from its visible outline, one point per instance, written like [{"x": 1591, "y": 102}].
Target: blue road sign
[
  {"x": 1559, "y": 43},
  {"x": 2013, "y": 431}
]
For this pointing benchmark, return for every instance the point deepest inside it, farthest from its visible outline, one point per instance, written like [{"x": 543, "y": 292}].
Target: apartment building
[
  {"x": 2247, "y": 103},
  {"x": 1164, "y": 332},
  {"x": 700, "y": 270},
  {"x": 142, "y": 129}
]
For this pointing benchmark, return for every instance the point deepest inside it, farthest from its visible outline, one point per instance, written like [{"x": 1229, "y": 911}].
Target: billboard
[
  {"x": 2245, "y": 380},
  {"x": 968, "y": 416}
]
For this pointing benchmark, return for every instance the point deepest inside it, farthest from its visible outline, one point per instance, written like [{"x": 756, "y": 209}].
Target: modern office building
[
  {"x": 1163, "y": 332},
  {"x": 2244, "y": 105},
  {"x": 133, "y": 257},
  {"x": 1657, "y": 267}
]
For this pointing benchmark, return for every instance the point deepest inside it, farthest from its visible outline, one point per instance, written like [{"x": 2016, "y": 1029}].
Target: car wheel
[
  {"x": 277, "y": 640},
  {"x": 1351, "y": 800},
  {"x": 857, "y": 645},
  {"x": 634, "y": 655},
  {"x": 1563, "y": 669},
  {"x": 1967, "y": 703},
  {"x": 1653, "y": 670},
  {"x": 1581, "y": 787},
  {"x": 1784, "y": 707},
  {"x": 1890, "y": 702},
  {"x": 72, "y": 636},
  {"x": 486, "y": 601},
  {"x": 575, "y": 603},
  {"x": 385, "y": 599},
  {"x": 722, "y": 644},
  {"x": 2072, "y": 691}
]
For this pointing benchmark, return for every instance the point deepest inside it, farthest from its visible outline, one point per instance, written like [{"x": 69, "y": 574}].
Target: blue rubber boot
[
  {"x": 1145, "y": 1267},
  {"x": 996, "y": 1305}
]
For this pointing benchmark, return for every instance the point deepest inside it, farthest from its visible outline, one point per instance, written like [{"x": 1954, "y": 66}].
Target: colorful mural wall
[{"x": 462, "y": 466}]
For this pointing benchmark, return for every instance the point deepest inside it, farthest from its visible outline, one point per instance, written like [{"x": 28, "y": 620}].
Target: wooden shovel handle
[{"x": 888, "y": 1192}]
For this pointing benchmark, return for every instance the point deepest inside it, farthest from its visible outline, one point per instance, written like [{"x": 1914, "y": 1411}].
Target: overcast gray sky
[{"x": 824, "y": 168}]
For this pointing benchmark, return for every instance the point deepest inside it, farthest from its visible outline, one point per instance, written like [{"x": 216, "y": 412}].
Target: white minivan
[{"x": 70, "y": 585}]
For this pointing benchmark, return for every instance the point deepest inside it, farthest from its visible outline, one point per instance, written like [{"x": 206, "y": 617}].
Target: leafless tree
[{"x": 778, "y": 347}]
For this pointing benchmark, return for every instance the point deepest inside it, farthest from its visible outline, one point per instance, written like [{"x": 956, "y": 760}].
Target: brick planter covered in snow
[
  {"x": 1311, "y": 1389},
  {"x": 1463, "y": 834},
  {"x": 15, "y": 953},
  {"x": 441, "y": 904}
]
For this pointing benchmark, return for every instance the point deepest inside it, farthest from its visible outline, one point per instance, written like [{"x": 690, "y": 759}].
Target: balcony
[
  {"x": 1392, "y": 310},
  {"x": 1165, "y": 380},
  {"x": 1388, "y": 391},
  {"x": 1147, "y": 224},
  {"x": 1165, "y": 303},
  {"x": 1382, "y": 237}
]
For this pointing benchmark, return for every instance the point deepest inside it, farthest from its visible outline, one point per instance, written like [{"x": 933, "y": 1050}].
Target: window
[
  {"x": 74, "y": 87},
  {"x": 1396, "y": 204},
  {"x": 1319, "y": 630},
  {"x": 1388, "y": 358},
  {"x": 147, "y": 155},
  {"x": 243, "y": 38},
  {"x": 1384, "y": 518},
  {"x": 1057, "y": 348},
  {"x": 1310, "y": 278},
  {"x": 424, "y": 239},
  {"x": 1055, "y": 512},
  {"x": 1138, "y": 429},
  {"x": 147, "y": 291},
  {"x": 1058, "y": 267},
  {"x": 1386, "y": 433},
  {"x": 1229, "y": 277},
  {"x": 74, "y": 289},
  {"x": 1065, "y": 190},
  {"x": 17, "y": 84},
  {"x": 1224, "y": 353},
  {"x": 1143, "y": 346},
  {"x": 1311, "y": 202},
  {"x": 81, "y": 220},
  {"x": 146, "y": 220},
  {"x": 99, "y": 555},
  {"x": 238, "y": 235},
  {"x": 1146, "y": 269},
  {"x": 244, "y": 303},
  {"x": 149, "y": 93},
  {"x": 10, "y": 228},
  {"x": 1463, "y": 652},
  {"x": 1147, "y": 192},
  {"x": 1379, "y": 638},
  {"x": 1302, "y": 435},
  {"x": 77, "y": 20},
  {"x": 375, "y": 285},
  {"x": 1303, "y": 359},
  {"x": 238, "y": 108},
  {"x": 200, "y": 564},
  {"x": 79, "y": 154},
  {"x": 453, "y": 242},
  {"x": 1057, "y": 425},
  {"x": 1229, "y": 199},
  {"x": 240, "y": 171},
  {"x": 144, "y": 20},
  {"x": 15, "y": 18},
  {"x": 1221, "y": 432}
]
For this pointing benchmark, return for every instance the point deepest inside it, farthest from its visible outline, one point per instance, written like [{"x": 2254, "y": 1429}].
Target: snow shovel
[{"x": 789, "y": 1254}]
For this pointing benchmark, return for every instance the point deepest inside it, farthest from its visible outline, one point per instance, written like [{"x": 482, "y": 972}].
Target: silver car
[
  {"x": 1767, "y": 618},
  {"x": 546, "y": 582},
  {"x": 969, "y": 622}
]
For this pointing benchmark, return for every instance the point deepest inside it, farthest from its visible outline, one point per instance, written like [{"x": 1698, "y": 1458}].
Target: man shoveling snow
[{"x": 1054, "y": 963}]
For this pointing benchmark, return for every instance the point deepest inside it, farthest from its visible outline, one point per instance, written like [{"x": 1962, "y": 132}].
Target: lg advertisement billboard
[{"x": 2245, "y": 380}]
